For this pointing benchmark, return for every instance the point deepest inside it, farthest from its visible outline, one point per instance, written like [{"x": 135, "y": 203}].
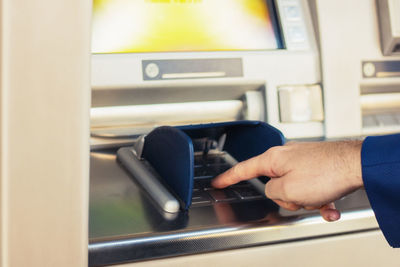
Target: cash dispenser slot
[
  {"x": 380, "y": 107},
  {"x": 170, "y": 163},
  {"x": 131, "y": 112}
]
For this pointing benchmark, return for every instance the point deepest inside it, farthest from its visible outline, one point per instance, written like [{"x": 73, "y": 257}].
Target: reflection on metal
[
  {"x": 126, "y": 226},
  {"x": 147, "y": 178}
]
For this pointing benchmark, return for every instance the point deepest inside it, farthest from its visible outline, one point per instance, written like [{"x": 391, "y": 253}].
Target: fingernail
[{"x": 333, "y": 217}]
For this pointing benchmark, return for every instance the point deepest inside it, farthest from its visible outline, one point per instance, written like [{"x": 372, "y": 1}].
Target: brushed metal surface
[{"x": 125, "y": 226}]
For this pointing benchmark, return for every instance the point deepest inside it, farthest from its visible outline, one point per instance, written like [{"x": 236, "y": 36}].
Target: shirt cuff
[{"x": 380, "y": 159}]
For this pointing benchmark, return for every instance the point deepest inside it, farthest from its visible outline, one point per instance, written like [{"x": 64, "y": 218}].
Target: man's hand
[{"x": 304, "y": 175}]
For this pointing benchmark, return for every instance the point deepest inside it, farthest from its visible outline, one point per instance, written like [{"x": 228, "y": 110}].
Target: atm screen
[{"x": 134, "y": 26}]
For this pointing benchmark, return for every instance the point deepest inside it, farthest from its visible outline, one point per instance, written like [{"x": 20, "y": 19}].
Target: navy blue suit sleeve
[{"x": 380, "y": 158}]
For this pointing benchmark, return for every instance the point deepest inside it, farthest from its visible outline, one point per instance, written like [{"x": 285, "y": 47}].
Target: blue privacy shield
[{"x": 170, "y": 150}]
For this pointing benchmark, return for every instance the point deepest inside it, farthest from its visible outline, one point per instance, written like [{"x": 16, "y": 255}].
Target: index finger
[{"x": 244, "y": 170}]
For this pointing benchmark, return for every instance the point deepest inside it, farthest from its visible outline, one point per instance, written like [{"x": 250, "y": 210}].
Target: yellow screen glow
[{"x": 127, "y": 26}]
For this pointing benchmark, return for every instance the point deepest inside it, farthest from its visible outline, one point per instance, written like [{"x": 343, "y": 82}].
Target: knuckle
[
  {"x": 274, "y": 157},
  {"x": 267, "y": 190},
  {"x": 287, "y": 192},
  {"x": 235, "y": 169},
  {"x": 274, "y": 150},
  {"x": 290, "y": 143},
  {"x": 274, "y": 165}
]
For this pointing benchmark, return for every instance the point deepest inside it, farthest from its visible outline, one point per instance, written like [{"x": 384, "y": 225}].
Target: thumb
[{"x": 274, "y": 189}]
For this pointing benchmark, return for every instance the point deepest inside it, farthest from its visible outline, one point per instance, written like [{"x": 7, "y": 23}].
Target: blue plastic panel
[
  {"x": 170, "y": 149},
  {"x": 170, "y": 152}
]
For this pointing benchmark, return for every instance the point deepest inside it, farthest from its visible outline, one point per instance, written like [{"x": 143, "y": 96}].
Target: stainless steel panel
[{"x": 125, "y": 225}]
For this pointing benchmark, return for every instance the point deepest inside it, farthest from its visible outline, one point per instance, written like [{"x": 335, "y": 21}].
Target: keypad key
[
  {"x": 215, "y": 159},
  {"x": 247, "y": 192},
  {"x": 200, "y": 198},
  {"x": 202, "y": 172},
  {"x": 223, "y": 195},
  {"x": 200, "y": 160},
  {"x": 215, "y": 169},
  {"x": 203, "y": 184},
  {"x": 210, "y": 171},
  {"x": 241, "y": 184}
]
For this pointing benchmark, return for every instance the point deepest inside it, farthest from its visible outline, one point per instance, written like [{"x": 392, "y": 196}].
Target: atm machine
[
  {"x": 192, "y": 64},
  {"x": 362, "y": 99}
]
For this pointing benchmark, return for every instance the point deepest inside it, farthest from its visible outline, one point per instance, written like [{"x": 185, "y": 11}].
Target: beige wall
[{"x": 45, "y": 99}]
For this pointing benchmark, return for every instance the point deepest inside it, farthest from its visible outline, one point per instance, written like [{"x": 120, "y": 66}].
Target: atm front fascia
[
  {"x": 223, "y": 75},
  {"x": 135, "y": 92}
]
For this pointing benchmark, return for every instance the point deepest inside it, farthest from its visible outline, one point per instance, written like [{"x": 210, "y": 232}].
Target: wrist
[{"x": 354, "y": 164}]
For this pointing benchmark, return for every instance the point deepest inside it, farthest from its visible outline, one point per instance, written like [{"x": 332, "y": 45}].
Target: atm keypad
[
  {"x": 205, "y": 194},
  {"x": 205, "y": 169},
  {"x": 201, "y": 198}
]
